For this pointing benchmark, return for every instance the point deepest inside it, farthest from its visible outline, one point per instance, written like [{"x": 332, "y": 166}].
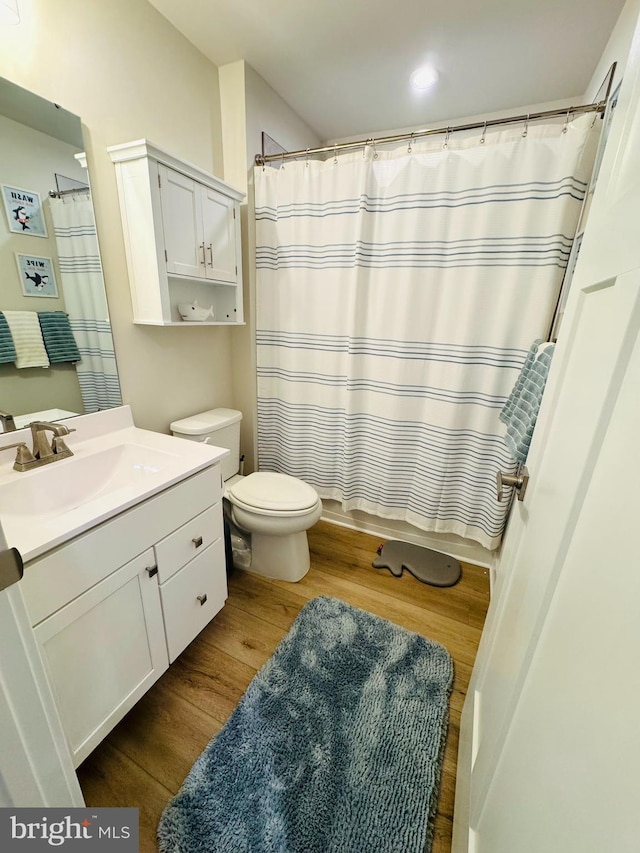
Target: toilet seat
[{"x": 267, "y": 493}]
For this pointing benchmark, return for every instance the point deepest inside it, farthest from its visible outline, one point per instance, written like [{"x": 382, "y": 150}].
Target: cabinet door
[
  {"x": 182, "y": 223},
  {"x": 103, "y": 651},
  {"x": 219, "y": 233}
]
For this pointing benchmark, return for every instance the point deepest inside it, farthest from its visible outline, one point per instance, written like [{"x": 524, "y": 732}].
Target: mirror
[{"x": 56, "y": 349}]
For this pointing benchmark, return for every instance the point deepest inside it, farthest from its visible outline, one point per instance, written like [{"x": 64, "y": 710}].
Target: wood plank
[
  {"x": 243, "y": 636},
  {"x": 144, "y": 760},
  {"x": 165, "y": 733},
  {"x": 110, "y": 779},
  {"x": 209, "y": 679},
  {"x": 257, "y": 596}
]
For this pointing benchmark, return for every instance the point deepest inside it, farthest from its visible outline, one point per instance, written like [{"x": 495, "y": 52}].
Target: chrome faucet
[
  {"x": 8, "y": 423},
  {"x": 43, "y": 451}
]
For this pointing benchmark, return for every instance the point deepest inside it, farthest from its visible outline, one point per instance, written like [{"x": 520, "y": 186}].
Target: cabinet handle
[
  {"x": 152, "y": 571},
  {"x": 204, "y": 260},
  {"x": 210, "y": 254},
  {"x": 202, "y": 599},
  {"x": 197, "y": 541}
]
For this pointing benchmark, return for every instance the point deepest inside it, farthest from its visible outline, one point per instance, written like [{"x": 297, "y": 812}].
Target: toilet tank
[{"x": 220, "y": 427}]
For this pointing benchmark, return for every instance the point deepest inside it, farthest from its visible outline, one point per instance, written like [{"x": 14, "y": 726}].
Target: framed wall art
[
  {"x": 24, "y": 211},
  {"x": 37, "y": 277}
]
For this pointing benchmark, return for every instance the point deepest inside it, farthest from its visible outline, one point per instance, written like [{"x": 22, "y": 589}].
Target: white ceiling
[{"x": 344, "y": 65}]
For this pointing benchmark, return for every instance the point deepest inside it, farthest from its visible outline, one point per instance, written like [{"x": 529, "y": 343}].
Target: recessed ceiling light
[{"x": 424, "y": 78}]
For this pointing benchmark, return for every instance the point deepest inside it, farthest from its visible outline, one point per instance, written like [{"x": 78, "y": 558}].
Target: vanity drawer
[
  {"x": 188, "y": 541},
  {"x": 192, "y": 597}
]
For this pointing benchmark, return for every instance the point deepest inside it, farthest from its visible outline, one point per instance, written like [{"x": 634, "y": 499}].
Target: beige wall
[
  {"x": 250, "y": 106},
  {"x": 128, "y": 74}
]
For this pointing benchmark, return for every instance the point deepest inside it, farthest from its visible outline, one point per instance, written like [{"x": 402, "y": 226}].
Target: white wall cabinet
[
  {"x": 181, "y": 228},
  {"x": 112, "y": 608}
]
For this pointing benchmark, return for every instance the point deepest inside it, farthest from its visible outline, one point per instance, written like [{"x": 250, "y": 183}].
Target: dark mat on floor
[
  {"x": 426, "y": 565},
  {"x": 336, "y": 747}
]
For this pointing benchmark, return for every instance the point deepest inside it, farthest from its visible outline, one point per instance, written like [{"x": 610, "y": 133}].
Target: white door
[
  {"x": 182, "y": 223},
  {"x": 219, "y": 236},
  {"x": 544, "y": 737},
  {"x": 35, "y": 766}
]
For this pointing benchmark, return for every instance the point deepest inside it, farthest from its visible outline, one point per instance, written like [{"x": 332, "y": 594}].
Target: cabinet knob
[
  {"x": 152, "y": 571},
  {"x": 197, "y": 541},
  {"x": 202, "y": 599}
]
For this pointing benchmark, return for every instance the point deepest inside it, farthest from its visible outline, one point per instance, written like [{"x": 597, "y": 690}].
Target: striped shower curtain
[
  {"x": 85, "y": 300},
  {"x": 398, "y": 293}
]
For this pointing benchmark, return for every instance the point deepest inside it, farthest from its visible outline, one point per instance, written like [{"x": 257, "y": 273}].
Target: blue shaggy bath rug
[{"x": 336, "y": 746}]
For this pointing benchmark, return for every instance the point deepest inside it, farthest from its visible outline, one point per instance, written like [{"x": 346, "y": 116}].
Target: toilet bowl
[{"x": 277, "y": 510}]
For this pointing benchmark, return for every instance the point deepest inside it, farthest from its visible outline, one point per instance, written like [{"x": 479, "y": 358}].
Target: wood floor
[{"x": 146, "y": 757}]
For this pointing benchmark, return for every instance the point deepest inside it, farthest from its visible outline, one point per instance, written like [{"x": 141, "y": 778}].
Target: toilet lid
[{"x": 277, "y": 492}]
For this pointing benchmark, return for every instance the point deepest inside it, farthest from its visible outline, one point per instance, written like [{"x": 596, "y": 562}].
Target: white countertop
[{"x": 115, "y": 466}]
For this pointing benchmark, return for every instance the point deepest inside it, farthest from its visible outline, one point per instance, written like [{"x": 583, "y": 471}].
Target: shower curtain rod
[
  {"x": 60, "y": 193},
  {"x": 598, "y": 107}
]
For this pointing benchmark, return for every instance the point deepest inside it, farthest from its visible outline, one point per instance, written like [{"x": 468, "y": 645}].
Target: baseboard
[{"x": 462, "y": 549}]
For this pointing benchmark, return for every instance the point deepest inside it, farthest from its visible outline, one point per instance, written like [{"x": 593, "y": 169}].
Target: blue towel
[
  {"x": 520, "y": 412},
  {"x": 58, "y": 337},
  {"x": 7, "y": 347}
]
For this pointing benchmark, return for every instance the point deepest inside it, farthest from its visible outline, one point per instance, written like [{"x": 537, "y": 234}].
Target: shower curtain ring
[
  {"x": 375, "y": 153},
  {"x": 282, "y": 164},
  {"x": 484, "y": 133},
  {"x": 306, "y": 162},
  {"x": 526, "y": 126},
  {"x": 595, "y": 116},
  {"x": 409, "y": 148},
  {"x": 566, "y": 122},
  {"x": 335, "y": 157},
  {"x": 446, "y": 139}
]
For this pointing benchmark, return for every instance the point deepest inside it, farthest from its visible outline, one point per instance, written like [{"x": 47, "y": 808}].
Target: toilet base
[{"x": 280, "y": 557}]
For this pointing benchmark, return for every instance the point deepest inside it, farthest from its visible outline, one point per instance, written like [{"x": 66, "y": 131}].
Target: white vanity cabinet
[
  {"x": 103, "y": 651},
  {"x": 181, "y": 228},
  {"x": 113, "y": 607}
]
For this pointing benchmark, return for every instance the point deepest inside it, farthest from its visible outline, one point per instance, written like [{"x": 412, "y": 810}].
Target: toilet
[{"x": 276, "y": 509}]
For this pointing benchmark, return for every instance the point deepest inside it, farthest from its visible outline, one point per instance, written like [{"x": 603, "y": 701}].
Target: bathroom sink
[
  {"x": 115, "y": 465},
  {"x": 61, "y": 486}
]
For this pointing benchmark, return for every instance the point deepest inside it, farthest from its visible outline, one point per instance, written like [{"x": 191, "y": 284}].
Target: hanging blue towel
[
  {"x": 7, "y": 346},
  {"x": 58, "y": 338},
  {"x": 520, "y": 412}
]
